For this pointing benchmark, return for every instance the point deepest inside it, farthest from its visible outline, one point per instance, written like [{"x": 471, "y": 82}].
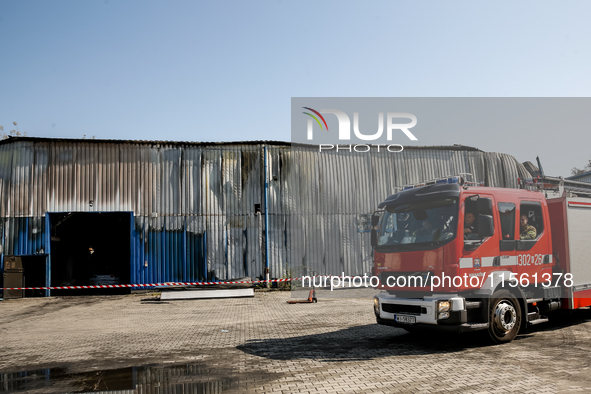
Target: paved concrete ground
[{"x": 262, "y": 344}]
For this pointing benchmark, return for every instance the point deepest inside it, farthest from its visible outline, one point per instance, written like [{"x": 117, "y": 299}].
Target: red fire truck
[{"x": 458, "y": 256}]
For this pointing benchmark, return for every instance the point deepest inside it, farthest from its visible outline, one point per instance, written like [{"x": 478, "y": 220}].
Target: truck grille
[{"x": 408, "y": 309}]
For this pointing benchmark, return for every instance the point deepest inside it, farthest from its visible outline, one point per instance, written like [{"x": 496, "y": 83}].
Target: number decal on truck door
[{"x": 530, "y": 259}]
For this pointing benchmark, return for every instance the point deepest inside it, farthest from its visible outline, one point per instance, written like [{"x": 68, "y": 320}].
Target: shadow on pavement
[
  {"x": 562, "y": 319},
  {"x": 374, "y": 341},
  {"x": 361, "y": 343}
]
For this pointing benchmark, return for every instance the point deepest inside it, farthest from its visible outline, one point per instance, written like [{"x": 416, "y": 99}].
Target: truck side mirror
[
  {"x": 484, "y": 206},
  {"x": 375, "y": 219},
  {"x": 374, "y": 238},
  {"x": 486, "y": 227}
]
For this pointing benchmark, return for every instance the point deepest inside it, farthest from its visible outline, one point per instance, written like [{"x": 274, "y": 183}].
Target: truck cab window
[
  {"x": 418, "y": 226},
  {"x": 507, "y": 215},
  {"x": 531, "y": 223},
  {"x": 478, "y": 221},
  {"x": 476, "y": 209},
  {"x": 470, "y": 219}
]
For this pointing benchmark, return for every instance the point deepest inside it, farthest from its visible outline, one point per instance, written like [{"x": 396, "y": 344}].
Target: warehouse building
[
  {"x": 582, "y": 177},
  {"x": 160, "y": 211}
]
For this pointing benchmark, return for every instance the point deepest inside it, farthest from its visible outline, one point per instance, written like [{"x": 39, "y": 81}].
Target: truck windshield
[{"x": 418, "y": 226}]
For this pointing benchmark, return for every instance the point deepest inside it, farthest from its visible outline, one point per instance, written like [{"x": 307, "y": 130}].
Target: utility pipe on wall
[{"x": 266, "y": 217}]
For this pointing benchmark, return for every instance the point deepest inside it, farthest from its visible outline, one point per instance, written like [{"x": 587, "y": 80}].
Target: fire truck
[{"x": 457, "y": 256}]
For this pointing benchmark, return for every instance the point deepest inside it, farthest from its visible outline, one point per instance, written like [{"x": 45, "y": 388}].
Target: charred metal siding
[
  {"x": 193, "y": 204},
  {"x": 315, "y": 200}
]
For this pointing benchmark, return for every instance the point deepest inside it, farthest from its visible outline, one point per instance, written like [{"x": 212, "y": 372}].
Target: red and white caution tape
[{"x": 166, "y": 284}]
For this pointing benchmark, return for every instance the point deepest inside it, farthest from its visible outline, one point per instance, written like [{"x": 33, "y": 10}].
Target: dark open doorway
[
  {"x": 34, "y": 268},
  {"x": 90, "y": 249}
]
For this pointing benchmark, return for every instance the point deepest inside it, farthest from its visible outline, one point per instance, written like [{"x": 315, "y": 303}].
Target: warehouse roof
[
  {"x": 208, "y": 143},
  {"x": 579, "y": 175}
]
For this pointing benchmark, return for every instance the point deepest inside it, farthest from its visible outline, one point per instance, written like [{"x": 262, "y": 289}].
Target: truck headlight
[
  {"x": 443, "y": 306},
  {"x": 376, "y": 306},
  {"x": 444, "y": 315}
]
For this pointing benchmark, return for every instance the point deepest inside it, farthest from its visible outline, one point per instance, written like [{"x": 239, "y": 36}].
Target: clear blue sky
[{"x": 226, "y": 71}]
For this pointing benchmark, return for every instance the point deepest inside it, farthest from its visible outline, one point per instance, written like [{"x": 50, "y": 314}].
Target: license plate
[{"x": 405, "y": 319}]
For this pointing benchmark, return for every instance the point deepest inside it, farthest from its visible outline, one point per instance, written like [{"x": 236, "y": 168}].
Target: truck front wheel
[{"x": 504, "y": 317}]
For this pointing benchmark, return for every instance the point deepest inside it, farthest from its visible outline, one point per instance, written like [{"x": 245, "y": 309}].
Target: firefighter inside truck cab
[
  {"x": 527, "y": 231},
  {"x": 426, "y": 232},
  {"x": 470, "y": 224}
]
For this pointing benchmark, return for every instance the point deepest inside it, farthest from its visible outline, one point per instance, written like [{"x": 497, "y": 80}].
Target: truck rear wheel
[{"x": 504, "y": 317}]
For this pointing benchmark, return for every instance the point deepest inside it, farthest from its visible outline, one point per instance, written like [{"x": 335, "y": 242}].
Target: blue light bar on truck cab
[{"x": 453, "y": 179}]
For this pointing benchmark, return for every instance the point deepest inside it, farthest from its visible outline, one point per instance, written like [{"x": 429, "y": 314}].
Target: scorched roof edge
[{"x": 204, "y": 143}]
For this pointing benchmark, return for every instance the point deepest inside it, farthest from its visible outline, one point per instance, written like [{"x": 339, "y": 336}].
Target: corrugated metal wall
[
  {"x": 315, "y": 200},
  {"x": 195, "y": 203}
]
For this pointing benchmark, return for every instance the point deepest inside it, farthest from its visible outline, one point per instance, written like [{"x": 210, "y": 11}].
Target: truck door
[{"x": 480, "y": 250}]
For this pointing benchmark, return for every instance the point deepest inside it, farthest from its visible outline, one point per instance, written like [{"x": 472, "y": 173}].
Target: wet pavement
[
  {"x": 183, "y": 378},
  {"x": 138, "y": 344}
]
